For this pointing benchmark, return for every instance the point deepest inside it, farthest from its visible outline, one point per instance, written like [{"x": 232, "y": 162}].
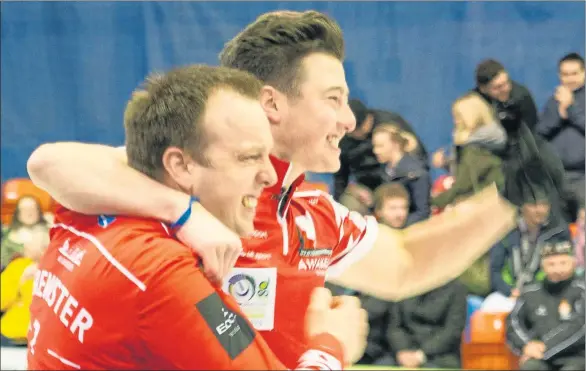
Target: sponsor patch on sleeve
[{"x": 231, "y": 329}]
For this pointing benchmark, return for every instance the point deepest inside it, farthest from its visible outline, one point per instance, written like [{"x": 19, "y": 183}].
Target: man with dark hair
[
  {"x": 514, "y": 262},
  {"x": 517, "y": 113},
  {"x": 300, "y": 236},
  {"x": 179, "y": 133},
  {"x": 546, "y": 326},
  {"x": 513, "y": 101},
  {"x": 562, "y": 123}
]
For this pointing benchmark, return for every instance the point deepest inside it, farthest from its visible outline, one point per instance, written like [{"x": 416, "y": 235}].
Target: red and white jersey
[
  {"x": 300, "y": 236},
  {"x": 121, "y": 293}
]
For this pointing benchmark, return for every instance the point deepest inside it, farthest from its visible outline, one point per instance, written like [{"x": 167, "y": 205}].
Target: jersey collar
[{"x": 279, "y": 191}]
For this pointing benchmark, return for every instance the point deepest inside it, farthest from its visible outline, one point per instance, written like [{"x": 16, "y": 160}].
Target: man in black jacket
[
  {"x": 562, "y": 124},
  {"x": 357, "y": 159},
  {"x": 426, "y": 331},
  {"x": 546, "y": 326},
  {"x": 517, "y": 113}
]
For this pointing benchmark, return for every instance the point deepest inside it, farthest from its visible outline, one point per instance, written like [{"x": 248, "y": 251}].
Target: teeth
[
  {"x": 249, "y": 201},
  {"x": 333, "y": 140}
]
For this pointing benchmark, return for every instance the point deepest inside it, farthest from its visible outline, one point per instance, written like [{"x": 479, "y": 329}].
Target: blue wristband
[{"x": 185, "y": 216}]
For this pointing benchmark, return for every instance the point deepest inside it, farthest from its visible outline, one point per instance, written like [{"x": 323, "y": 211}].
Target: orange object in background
[
  {"x": 487, "y": 349},
  {"x": 14, "y": 189},
  {"x": 312, "y": 186},
  {"x": 573, "y": 230}
]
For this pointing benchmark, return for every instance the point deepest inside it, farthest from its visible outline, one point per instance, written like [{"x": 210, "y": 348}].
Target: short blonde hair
[
  {"x": 475, "y": 112},
  {"x": 406, "y": 140}
]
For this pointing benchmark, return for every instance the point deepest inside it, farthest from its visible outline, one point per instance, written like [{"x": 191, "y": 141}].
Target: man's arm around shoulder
[{"x": 95, "y": 179}]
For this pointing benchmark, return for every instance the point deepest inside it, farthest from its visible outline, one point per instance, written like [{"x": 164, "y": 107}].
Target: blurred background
[{"x": 68, "y": 69}]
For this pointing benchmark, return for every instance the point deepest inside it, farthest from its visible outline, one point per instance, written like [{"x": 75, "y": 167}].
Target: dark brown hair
[{"x": 274, "y": 45}]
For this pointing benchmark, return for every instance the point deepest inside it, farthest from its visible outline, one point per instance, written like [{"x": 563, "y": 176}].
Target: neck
[
  {"x": 395, "y": 158},
  {"x": 532, "y": 228},
  {"x": 295, "y": 170}
]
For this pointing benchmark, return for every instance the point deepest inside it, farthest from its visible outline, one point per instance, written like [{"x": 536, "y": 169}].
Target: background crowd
[{"x": 533, "y": 153}]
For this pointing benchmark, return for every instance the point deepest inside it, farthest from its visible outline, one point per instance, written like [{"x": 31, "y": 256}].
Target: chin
[
  {"x": 327, "y": 165},
  {"x": 244, "y": 229}
]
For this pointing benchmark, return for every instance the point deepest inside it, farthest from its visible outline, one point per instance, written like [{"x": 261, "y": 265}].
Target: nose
[
  {"x": 346, "y": 118},
  {"x": 267, "y": 175}
]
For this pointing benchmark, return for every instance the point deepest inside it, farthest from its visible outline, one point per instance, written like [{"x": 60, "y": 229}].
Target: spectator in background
[
  {"x": 16, "y": 288},
  {"x": 517, "y": 114},
  {"x": 392, "y": 148},
  {"x": 546, "y": 326},
  {"x": 515, "y": 260},
  {"x": 357, "y": 159},
  {"x": 391, "y": 207},
  {"x": 426, "y": 331},
  {"x": 27, "y": 215},
  {"x": 477, "y": 134},
  {"x": 562, "y": 124},
  {"x": 495, "y": 85}
]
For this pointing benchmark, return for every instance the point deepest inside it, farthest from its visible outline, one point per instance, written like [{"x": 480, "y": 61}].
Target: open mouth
[
  {"x": 334, "y": 141},
  {"x": 249, "y": 202}
]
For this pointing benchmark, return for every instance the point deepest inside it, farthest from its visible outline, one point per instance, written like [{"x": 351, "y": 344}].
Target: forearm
[
  {"x": 429, "y": 254},
  {"x": 95, "y": 179},
  {"x": 566, "y": 336},
  {"x": 576, "y": 117}
]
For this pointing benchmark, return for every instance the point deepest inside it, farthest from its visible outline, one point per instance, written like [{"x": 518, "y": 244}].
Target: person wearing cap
[
  {"x": 514, "y": 262},
  {"x": 546, "y": 326}
]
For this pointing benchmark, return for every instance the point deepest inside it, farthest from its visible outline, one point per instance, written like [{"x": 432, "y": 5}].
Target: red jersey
[
  {"x": 299, "y": 237},
  {"x": 120, "y": 293}
]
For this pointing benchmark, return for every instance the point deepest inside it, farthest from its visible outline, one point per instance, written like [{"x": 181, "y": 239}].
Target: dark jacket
[
  {"x": 521, "y": 106},
  {"x": 506, "y": 269},
  {"x": 358, "y": 160},
  {"x": 565, "y": 135},
  {"x": 379, "y": 316},
  {"x": 432, "y": 322},
  {"x": 555, "y": 317},
  {"x": 529, "y": 162},
  {"x": 413, "y": 175}
]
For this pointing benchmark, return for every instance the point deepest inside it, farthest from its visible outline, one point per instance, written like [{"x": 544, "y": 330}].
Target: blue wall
[{"x": 68, "y": 68}]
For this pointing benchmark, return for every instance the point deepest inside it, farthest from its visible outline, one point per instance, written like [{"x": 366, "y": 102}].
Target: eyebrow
[{"x": 341, "y": 89}]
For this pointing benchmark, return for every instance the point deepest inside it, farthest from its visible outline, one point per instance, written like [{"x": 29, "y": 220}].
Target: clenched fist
[{"x": 341, "y": 317}]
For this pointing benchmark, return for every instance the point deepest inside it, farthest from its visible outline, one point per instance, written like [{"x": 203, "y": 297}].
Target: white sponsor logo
[
  {"x": 313, "y": 264},
  {"x": 229, "y": 319},
  {"x": 259, "y": 234},
  {"x": 70, "y": 255},
  {"x": 255, "y": 255}
]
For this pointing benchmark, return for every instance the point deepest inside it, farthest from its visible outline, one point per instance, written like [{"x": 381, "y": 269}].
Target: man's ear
[
  {"x": 274, "y": 103},
  {"x": 180, "y": 167}
]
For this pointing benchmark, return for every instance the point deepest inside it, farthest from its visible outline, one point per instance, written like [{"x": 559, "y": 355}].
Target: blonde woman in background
[
  {"x": 477, "y": 136},
  {"x": 395, "y": 149}
]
